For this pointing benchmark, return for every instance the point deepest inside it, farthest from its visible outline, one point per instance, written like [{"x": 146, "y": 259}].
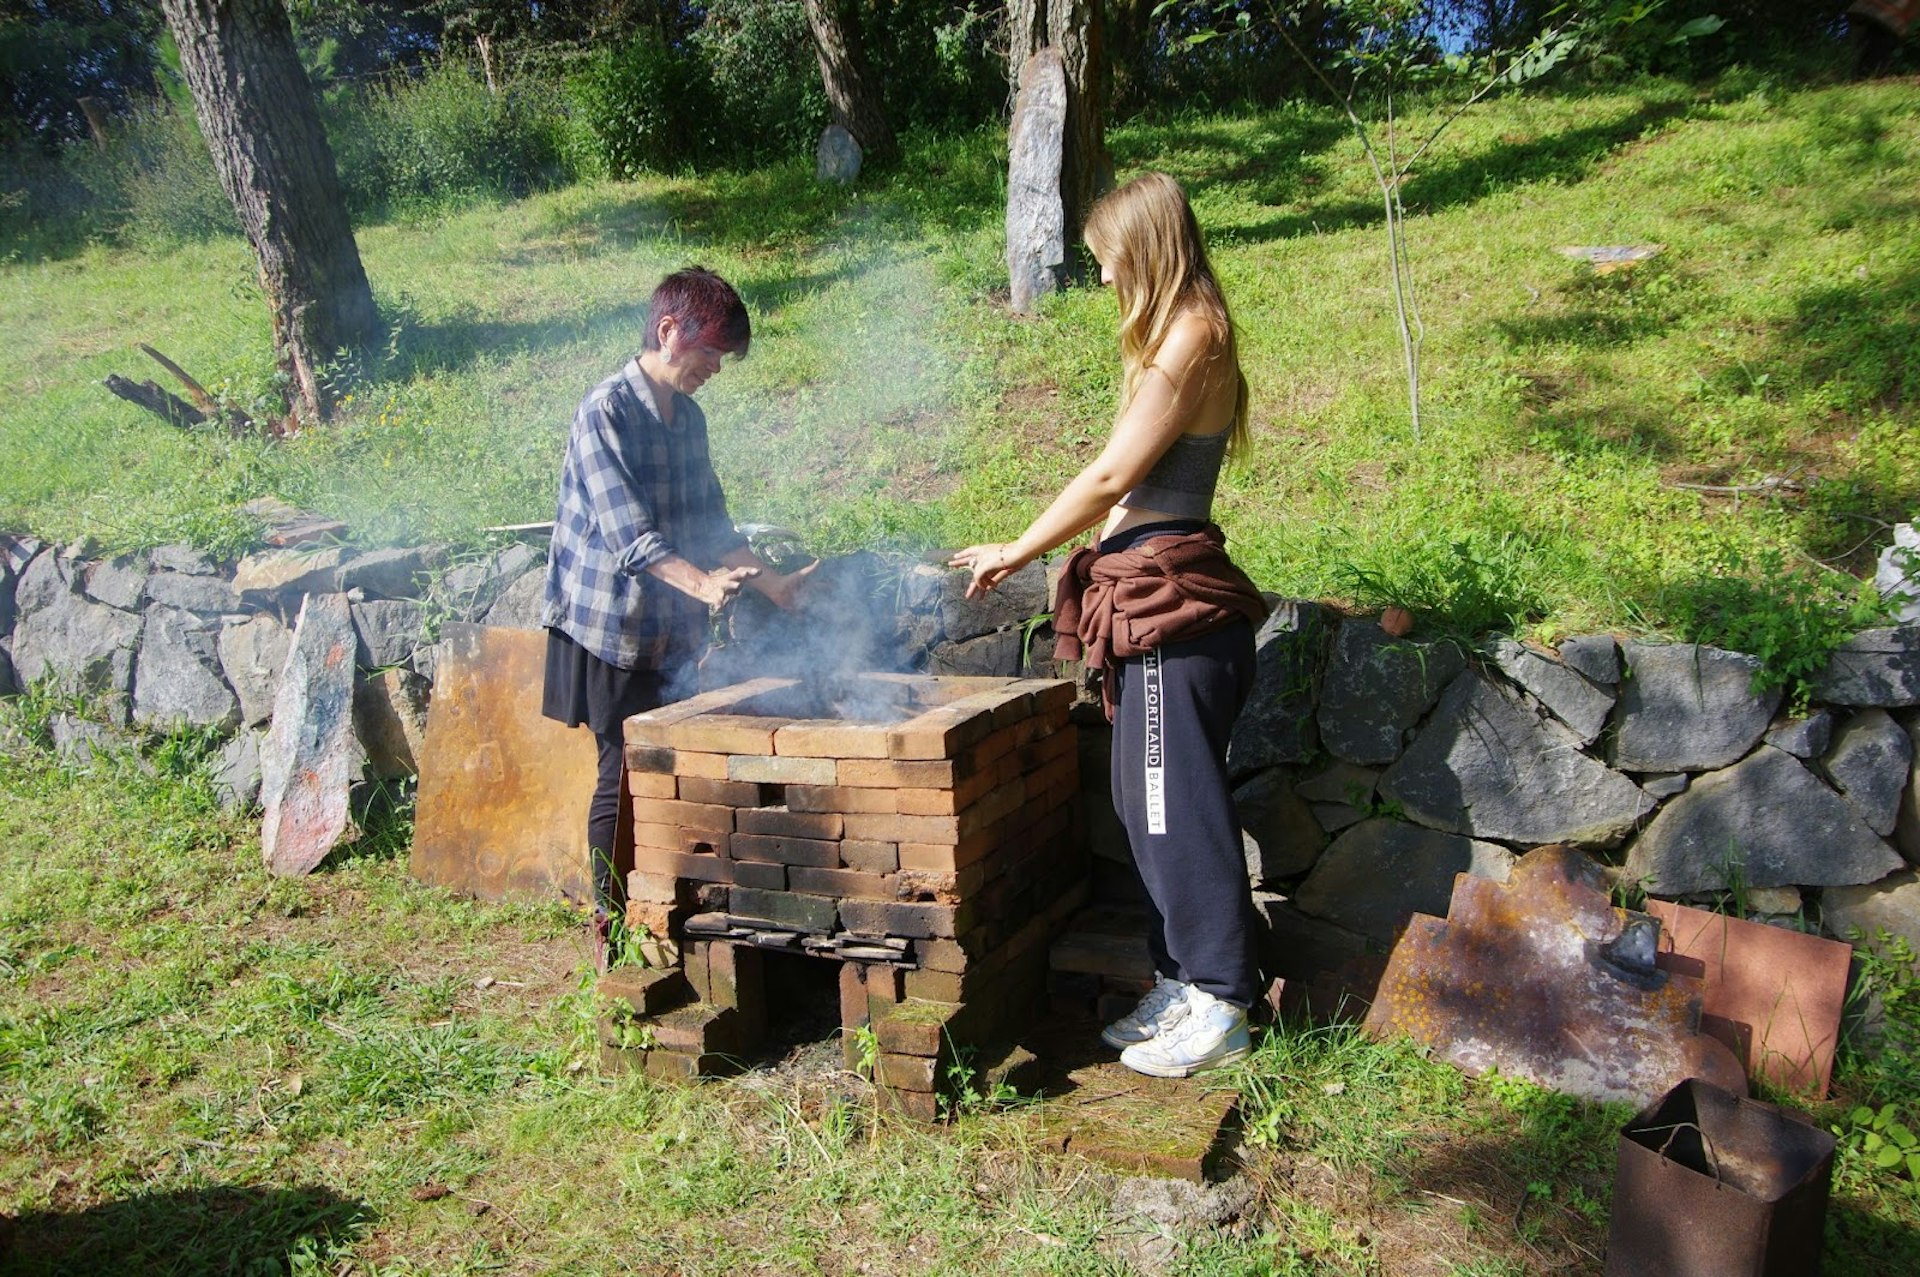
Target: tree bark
[
  {"x": 257, "y": 113},
  {"x": 856, "y": 105},
  {"x": 1074, "y": 28}
]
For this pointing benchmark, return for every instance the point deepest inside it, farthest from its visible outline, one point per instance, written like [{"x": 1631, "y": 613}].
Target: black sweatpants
[{"x": 1174, "y": 710}]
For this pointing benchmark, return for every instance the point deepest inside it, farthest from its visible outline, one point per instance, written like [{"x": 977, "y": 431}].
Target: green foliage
[
  {"x": 766, "y": 82},
  {"x": 1790, "y": 618},
  {"x": 1883, "y": 1142},
  {"x": 442, "y": 139},
  {"x": 649, "y": 107},
  {"x": 1459, "y": 584}
]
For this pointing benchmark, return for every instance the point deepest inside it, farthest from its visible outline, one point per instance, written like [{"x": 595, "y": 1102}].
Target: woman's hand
[
  {"x": 785, "y": 590},
  {"x": 718, "y": 587},
  {"x": 990, "y": 564}
]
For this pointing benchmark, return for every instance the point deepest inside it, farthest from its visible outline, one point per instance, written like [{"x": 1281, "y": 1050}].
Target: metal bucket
[{"x": 1707, "y": 1183}]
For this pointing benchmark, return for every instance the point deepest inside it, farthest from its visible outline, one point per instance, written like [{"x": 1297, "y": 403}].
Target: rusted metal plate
[
  {"x": 1773, "y": 996},
  {"x": 1543, "y": 978},
  {"x": 502, "y": 812}
]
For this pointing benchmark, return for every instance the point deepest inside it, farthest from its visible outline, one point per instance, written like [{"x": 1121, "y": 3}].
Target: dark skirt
[{"x": 583, "y": 688}]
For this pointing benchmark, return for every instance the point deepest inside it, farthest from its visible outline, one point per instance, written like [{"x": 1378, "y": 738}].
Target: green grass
[
  {"x": 890, "y": 397},
  {"x": 209, "y": 1069}
]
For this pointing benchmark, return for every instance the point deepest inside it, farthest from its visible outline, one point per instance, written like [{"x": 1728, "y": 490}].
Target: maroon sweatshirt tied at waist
[{"x": 1164, "y": 590}]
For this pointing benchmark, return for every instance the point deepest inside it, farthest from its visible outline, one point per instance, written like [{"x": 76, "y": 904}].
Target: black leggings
[
  {"x": 1174, "y": 710},
  {"x": 603, "y": 823}
]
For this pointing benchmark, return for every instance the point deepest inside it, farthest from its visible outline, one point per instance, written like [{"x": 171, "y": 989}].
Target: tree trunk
[
  {"x": 1074, "y": 28},
  {"x": 856, "y": 106},
  {"x": 257, "y": 113}
]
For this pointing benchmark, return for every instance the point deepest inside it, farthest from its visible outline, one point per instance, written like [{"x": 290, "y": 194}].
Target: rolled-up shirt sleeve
[{"x": 616, "y": 496}]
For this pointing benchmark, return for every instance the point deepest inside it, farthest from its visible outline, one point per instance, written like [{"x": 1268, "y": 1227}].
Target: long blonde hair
[{"x": 1145, "y": 232}]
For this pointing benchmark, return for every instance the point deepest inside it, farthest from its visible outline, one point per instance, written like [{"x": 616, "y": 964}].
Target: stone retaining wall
[{"x": 1368, "y": 769}]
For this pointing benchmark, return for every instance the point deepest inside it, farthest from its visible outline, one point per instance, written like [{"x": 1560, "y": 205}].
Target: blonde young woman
[{"x": 1159, "y": 607}]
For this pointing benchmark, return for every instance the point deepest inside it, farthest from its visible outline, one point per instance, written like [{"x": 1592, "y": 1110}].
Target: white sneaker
[
  {"x": 1210, "y": 1034},
  {"x": 1164, "y": 1006}
]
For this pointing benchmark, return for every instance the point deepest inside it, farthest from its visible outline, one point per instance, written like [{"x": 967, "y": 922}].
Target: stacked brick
[{"x": 935, "y": 857}]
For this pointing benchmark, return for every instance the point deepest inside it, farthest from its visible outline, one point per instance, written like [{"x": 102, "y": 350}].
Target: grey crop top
[{"x": 1182, "y": 481}]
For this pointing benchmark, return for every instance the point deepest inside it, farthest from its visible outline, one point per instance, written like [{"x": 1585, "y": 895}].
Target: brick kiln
[{"x": 923, "y": 832}]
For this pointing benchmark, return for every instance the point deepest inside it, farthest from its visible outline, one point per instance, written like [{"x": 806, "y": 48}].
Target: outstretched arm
[{"x": 1169, "y": 401}]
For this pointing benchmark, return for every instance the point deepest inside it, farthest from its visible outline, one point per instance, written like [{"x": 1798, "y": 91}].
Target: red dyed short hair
[{"x": 704, "y": 307}]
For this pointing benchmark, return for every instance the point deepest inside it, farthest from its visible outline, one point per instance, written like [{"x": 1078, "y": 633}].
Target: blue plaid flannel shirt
[{"x": 633, "y": 491}]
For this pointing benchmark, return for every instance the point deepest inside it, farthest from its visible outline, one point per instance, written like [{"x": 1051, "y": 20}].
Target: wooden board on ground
[
  {"x": 503, "y": 791},
  {"x": 1094, "y": 1106}
]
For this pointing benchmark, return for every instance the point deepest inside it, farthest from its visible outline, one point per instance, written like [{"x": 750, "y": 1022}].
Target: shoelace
[
  {"x": 1189, "y": 1025},
  {"x": 1163, "y": 995}
]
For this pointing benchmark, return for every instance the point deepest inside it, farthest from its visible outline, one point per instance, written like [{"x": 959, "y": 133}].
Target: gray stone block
[
  {"x": 390, "y": 720},
  {"x": 389, "y": 630},
  {"x": 120, "y": 583},
  {"x": 990, "y": 654},
  {"x": 1875, "y": 667},
  {"x": 1595, "y": 655},
  {"x": 1860, "y": 913},
  {"x": 1378, "y": 687},
  {"x": 395, "y": 573},
  {"x": 1290, "y": 655},
  {"x": 1805, "y": 737},
  {"x": 181, "y": 557},
  {"x": 205, "y": 595},
  {"x": 1380, "y": 873},
  {"x": 1661, "y": 786},
  {"x": 252, "y": 654},
  {"x": 86, "y": 648},
  {"x": 1281, "y": 838},
  {"x": 1014, "y": 601},
  {"x": 518, "y": 607},
  {"x": 236, "y": 773},
  {"x": 1766, "y": 821},
  {"x": 1294, "y": 946},
  {"x": 176, "y": 678},
  {"x": 1685, "y": 707},
  {"x": 1568, "y": 695},
  {"x": 1870, "y": 763},
  {"x": 1487, "y": 765}
]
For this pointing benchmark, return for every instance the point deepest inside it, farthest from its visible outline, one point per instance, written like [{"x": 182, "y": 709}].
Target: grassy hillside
[{"x": 890, "y": 396}]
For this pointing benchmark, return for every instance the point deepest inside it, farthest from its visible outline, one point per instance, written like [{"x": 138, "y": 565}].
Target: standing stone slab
[
  {"x": 1870, "y": 763},
  {"x": 310, "y": 759},
  {"x": 1686, "y": 707},
  {"x": 1376, "y": 688},
  {"x": 1380, "y": 873},
  {"x": 176, "y": 678},
  {"x": 252, "y": 654},
  {"x": 1874, "y": 667},
  {"x": 837, "y": 157},
  {"x": 1568, "y": 695},
  {"x": 1488, "y": 766},
  {"x": 1766, "y": 821},
  {"x": 1595, "y": 655},
  {"x": 1036, "y": 215},
  {"x": 389, "y": 630},
  {"x": 1290, "y": 654}
]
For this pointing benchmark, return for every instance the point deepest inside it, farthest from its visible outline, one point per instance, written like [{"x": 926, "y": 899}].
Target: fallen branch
[{"x": 1772, "y": 483}]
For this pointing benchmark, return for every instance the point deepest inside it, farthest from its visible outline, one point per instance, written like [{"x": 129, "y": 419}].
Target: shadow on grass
[
  {"x": 209, "y": 1230},
  {"x": 1861, "y": 1243},
  {"x": 1454, "y": 180},
  {"x": 1859, "y": 339}
]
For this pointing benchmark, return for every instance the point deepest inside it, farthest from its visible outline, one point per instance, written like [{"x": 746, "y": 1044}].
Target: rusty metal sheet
[
  {"x": 502, "y": 810},
  {"x": 1543, "y": 978},
  {"x": 1773, "y": 996}
]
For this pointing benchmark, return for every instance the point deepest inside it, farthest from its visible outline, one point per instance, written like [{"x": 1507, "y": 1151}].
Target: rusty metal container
[{"x": 1710, "y": 1184}]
